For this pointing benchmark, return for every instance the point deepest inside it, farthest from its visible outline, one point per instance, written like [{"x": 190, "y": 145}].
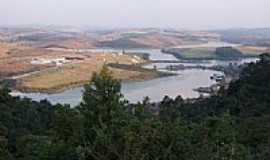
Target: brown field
[
  {"x": 71, "y": 44},
  {"x": 15, "y": 59},
  {"x": 70, "y": 75},
  {"x": 7, "y": 49},
  {"x": 158, "y": 41},
  {"x": 252, "y": 50}
]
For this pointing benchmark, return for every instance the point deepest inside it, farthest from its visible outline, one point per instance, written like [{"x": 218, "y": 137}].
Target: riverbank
[
  {"x": 181, "y": 84},
  {"x": 200, "y": 54},
  {"x": 215, "y": 51},
  {"x": 76, "y": 75},
  {"x": 154, "y": 87}
]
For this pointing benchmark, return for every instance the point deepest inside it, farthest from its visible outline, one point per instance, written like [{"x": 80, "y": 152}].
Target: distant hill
[
  {"x": 66, "y": 36},
  {"x": 206, "y": 53},
  {"x": 257, "y": 37}
]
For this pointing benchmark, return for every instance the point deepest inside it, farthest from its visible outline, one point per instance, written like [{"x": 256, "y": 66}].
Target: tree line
[{"x": 232, "y": 125}]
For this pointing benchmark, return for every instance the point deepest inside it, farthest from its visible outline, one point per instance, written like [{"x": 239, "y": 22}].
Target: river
[{"x": 181, "y": 84}]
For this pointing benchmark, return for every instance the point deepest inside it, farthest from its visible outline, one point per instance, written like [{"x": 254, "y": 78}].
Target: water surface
[{"x": 181, "y": 84}]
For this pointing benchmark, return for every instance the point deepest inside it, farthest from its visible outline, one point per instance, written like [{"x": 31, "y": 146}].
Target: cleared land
[
  {"x": 43, "y": 70},
  {"x": 252, "y": 50},
  {"x": 71, "y": 75},
  {"x": 15, "y": 59}
]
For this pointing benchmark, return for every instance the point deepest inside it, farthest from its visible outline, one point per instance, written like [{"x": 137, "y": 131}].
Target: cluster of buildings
[
  {"x": 44, "y": 61},
  {"x": 57, "y": 61}
]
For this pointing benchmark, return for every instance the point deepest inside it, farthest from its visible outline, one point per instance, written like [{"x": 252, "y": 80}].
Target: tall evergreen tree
[{"x": 103, "y": 110}]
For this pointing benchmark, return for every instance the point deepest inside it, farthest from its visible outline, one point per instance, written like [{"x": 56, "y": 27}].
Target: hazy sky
[{"x": 189, "y": 14}]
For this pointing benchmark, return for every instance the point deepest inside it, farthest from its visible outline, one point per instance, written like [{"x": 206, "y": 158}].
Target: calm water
[{"x": 181, "y": 84}]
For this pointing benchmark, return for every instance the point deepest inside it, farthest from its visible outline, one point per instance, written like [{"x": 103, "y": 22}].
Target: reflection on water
[{"x": 182, "y": 84}]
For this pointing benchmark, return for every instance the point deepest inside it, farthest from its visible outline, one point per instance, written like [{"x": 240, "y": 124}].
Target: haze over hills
[
  {"x": 73, "y": 37},
  {"x": 32, "y": 54}
]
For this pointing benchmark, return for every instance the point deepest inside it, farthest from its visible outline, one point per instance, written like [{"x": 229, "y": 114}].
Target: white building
[{"x": 43, "y": 61}]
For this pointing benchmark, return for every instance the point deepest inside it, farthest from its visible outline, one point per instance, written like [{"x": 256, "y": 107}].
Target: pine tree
[{"x": 103, "y": 108}]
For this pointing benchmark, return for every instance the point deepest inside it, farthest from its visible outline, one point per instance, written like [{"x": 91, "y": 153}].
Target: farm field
[
  {"x": 72, "y": 75},
  {"x": 253, "y": 50}
]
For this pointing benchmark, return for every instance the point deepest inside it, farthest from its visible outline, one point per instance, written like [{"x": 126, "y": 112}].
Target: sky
[{"x": 186, "y": 14}]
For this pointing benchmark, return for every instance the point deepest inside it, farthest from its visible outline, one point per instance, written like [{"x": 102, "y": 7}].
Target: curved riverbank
[
  {"x": 125, "y": 73},
  {"x": 183, "y": 83}
]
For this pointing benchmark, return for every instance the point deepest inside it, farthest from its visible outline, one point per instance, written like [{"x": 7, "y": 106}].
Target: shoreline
[
  {"x": 180, "y": 57},
  {"x": 59, "y": 89}
]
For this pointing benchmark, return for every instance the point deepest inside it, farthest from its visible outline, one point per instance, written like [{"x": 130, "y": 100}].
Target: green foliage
[
  {"x": 233, "y": 125},
  {"x": 228, "y": 52},
  {"x": 102, "y": 99},
  {"x": 4, "y": 153}
]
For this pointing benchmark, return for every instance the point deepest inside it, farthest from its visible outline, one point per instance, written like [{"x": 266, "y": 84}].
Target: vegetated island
[{"x": 210, "y": 53}]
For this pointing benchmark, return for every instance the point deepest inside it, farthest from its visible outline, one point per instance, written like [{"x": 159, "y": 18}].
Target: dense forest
[{"x": 232, "y": 125}]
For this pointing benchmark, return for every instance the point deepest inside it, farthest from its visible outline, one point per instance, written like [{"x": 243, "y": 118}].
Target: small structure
[
  {"x": 120, "y": 53},
  {"x": 44, "y": 61},
  {"x": 74, "y": 58},
  {"x": 135, "y": 61},
  {"x": 155, "y": 68},
  {"x": 137, "y": 57},
  {"x": 176, "y": 67},
  {"x": 40, "y": 61},
  {"x": 218, "y": 77},
  {"x": 208, "y": 90}
]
